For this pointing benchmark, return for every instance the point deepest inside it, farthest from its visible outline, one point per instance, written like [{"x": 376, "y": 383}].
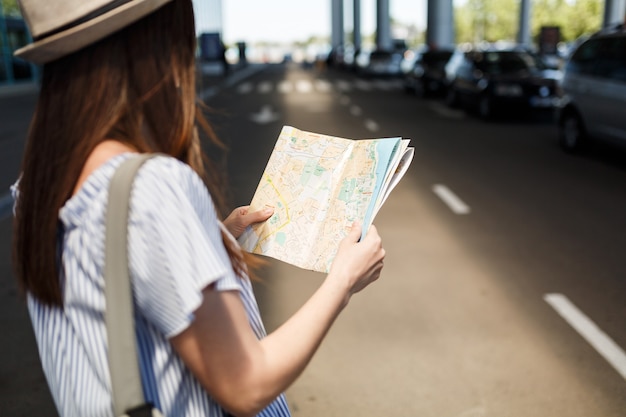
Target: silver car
[{"x": 594, "y": 91}]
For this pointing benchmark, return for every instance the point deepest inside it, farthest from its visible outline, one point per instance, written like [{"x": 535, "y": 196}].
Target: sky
[{"x": 293, "y": 20}]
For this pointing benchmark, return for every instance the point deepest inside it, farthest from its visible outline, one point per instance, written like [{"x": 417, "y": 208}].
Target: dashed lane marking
[
  {"x": 355, "y": 110},
  {"x": 304, "y": 86},
  {"x": 323, "y": 86},
  {"x": 245, "y": 88},
  {"x": 590, "y": 331},
  {"x": 265, "y": 87},
  {"x": 452, "y": 200},
  {"x": 343, "y": 85},
  {"x": 371, "y": 125},
  {"x": 285, "y": 87}
]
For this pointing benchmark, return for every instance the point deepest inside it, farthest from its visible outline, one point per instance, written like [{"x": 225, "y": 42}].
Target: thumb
[
  {"x": 355, "y": 232},
  {"x": 259, "y": 215}
]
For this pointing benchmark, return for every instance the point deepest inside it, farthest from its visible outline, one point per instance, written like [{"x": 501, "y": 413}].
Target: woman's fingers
[
  {"x": 359, "y": 261},
  {"x": 257, "y": 216},
  {"x": 242, "y": 217}
]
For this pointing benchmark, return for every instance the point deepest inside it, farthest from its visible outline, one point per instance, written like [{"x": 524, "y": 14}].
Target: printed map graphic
[{"x": 318, "y": 185}]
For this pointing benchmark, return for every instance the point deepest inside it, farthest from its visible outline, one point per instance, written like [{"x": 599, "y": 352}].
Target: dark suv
[
  {"x": 426, "y": 74},
  {"x": 594, "y": 91},
  {"x": 493, "y": 80}
]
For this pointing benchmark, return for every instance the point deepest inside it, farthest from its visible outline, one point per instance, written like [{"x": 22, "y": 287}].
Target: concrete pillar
[
  {"x": 357, "y": 24},
  {"x": 614, "y": 12},
  {"x": 208, "y": 15},
  {"x": 337, "y": 31},
  {"x": 440, "y": 23},
  {"x": 523, "y": 34},
  {"x": 383, "y": 25}
]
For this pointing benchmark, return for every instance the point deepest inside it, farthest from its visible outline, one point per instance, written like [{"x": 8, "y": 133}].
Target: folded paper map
[{"x": 319, "y": 186}]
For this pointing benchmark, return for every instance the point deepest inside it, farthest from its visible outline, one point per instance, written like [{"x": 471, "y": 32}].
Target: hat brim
[{"x": 77, "y": 37}]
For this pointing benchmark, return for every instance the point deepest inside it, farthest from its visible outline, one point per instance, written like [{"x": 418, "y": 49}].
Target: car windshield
[
  {"x": 436, "y": 58},
  {"x": 380, "y": 55},
  {"x": 506, "y": 62}
]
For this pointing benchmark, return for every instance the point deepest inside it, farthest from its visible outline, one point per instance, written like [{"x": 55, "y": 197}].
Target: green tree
[
  {"x": 10, "y": 8},
  {"x": 491, "y": 20},
  {"x": 574, "y": 18},
  {"x": 548, "y": 13},
  {"x": 486, "y": 20},
  {"x": 583, "y": 17}
]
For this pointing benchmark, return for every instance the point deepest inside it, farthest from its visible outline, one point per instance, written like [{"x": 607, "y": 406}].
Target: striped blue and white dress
[{"x": 175, "y": 251}]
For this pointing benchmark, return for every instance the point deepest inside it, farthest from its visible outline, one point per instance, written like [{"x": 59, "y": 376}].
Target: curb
[
  {"x": 236, "y": 76},
  {"x": 11, "y": 90}
]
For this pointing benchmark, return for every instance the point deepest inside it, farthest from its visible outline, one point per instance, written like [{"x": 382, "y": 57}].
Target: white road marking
[
  {"x": 285, "y": 87},
  {"x": 355, "y": 110},
  {"x": 343, "y": 85},
  {"x": 323, "y": 86},
  {"x": 304, "y": 86},
  {"x": 455, "y": 203},
  {"x": 589, "y": 331},
  {"x": 266, "y": 115},
  {"x": 371, "y": 125},
  {"x": 245, "y": 88},
  {"x": 265, "y": 87}
]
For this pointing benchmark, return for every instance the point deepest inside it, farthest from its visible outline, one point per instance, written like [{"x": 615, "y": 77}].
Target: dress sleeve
[{"x": 175, "y": 245}]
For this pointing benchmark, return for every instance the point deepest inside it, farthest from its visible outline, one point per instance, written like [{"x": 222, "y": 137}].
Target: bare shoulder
[{"x": 100, "y": 155}]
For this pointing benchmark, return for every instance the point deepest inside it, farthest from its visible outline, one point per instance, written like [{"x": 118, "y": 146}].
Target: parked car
[
  {"x": 424, "y": 71},
  {"x": 341, "y": 57},
  {"x": 378, "y": 63},
  {"x": 594, "y": 88},
  {"x": 494, "y": 80}
]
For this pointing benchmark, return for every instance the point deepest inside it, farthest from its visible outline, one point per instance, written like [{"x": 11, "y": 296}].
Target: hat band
[{"x": 92, "y": 15}]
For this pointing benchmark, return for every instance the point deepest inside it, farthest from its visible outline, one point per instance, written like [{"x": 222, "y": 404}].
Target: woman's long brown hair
[{"x": 136, "y": 86}]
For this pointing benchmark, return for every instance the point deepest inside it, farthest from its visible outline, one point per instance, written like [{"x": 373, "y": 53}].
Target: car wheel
[
  {"x": 409, "y": 86},
  {"x": 420, "y": 89},
  {"x": 452, "y": 97},
  {"x": 572, "y": 135}
]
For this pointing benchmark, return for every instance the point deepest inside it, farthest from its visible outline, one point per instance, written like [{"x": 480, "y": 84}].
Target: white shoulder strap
[{"x": 122, "y": 350}]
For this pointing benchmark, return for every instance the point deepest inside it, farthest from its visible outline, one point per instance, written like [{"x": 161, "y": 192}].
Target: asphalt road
[{"x": 465, "y": 320}]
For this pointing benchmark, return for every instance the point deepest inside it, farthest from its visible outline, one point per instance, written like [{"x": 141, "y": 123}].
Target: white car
[
  {"x": 594, "y": 91},
  {"x": 378, "y": 63}
]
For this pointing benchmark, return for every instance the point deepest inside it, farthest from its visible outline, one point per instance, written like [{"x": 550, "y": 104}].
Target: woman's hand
[
  {"x": 241, "y": 217},
  {"x": 244, "y": 374},
  {"x": 358, "y": 263}
]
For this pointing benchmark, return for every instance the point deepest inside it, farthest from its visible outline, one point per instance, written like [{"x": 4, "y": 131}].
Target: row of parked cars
[
  {"x": 587, "y": 94},
  {"x": 487, "y": 80}
]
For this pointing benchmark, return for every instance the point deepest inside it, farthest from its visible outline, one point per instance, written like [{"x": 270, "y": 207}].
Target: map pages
[{"x": 319, "y": 186}]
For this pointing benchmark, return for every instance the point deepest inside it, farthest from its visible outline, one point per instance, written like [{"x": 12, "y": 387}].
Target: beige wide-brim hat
[{"x": 61, "y": 27}]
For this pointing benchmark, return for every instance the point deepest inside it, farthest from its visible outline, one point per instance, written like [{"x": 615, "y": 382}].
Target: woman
[{"x": 119, "y": 79}]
